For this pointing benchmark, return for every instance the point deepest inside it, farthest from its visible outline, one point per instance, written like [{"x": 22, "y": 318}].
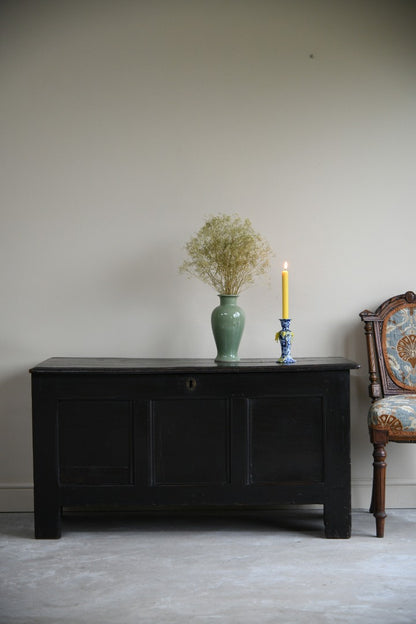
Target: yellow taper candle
[{"x": 285, "y": 292}]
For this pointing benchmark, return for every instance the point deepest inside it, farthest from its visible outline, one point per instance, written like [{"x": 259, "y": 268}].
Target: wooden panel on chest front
[
  {"x": 286, "y": 440},
  {"x": 190, "y": 442},
  {"x": 95, "y": 442}
]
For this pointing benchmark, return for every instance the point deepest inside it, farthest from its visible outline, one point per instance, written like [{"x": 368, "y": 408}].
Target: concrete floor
[{"x": 247, "y": 568}]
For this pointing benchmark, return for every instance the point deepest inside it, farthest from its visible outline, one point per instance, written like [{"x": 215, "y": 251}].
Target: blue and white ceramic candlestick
[{"x": 284, "y": 336}]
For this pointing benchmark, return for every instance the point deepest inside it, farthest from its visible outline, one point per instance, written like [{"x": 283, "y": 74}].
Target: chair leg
[
  {"x": 378, "y": 501},
  {"x": 371, "y": 510}
]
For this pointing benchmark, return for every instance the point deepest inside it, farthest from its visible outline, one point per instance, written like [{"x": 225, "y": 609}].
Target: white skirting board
[{"x": 400, "y": 494}]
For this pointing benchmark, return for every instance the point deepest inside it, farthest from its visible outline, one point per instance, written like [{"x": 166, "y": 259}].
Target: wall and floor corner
[{"x": 125, "y": 124}]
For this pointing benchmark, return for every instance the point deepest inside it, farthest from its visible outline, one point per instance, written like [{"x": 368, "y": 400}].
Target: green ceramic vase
[{"x": 227, "y": 322}]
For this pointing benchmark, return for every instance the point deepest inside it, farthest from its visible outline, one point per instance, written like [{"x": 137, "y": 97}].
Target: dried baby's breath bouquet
[{"x": 227, "y": 254}]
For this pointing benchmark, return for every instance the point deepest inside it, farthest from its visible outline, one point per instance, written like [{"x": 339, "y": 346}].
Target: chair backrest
[{"x": 391, "y": 346}]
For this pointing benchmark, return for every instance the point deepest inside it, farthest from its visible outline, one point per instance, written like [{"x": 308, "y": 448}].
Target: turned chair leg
[
  {"x": 371, "y": 510},
  {"x": 378, "y": 500}
]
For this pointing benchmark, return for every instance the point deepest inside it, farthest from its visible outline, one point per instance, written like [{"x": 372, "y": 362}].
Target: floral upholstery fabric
[
  {"x": 399, "y": 346},
  {"x": 394, "y": 412}
]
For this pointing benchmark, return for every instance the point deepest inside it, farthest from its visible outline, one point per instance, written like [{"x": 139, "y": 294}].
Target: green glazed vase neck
[{"x": 228, "y": 299}]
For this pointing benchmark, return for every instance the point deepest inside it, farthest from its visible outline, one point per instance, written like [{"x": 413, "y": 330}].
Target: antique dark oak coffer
[{"x": 123, "y": 432}]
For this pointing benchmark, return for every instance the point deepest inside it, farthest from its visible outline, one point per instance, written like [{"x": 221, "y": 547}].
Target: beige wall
[{"x": 123, "y": 124}]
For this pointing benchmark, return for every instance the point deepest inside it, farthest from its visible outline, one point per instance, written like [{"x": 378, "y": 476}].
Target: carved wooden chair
[{"x": 391, "y": 344}]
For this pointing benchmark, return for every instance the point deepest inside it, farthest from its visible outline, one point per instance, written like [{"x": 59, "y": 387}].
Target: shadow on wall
[
  {"x": 144, "y": 273},
  {"x": 159, "y": 303},
  {"x": 355, "y": 349},
  {"x": 15, "y": 425}
]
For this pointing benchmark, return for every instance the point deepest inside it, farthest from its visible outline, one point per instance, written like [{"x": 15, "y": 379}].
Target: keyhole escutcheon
[{"x": 191, "y": 383}]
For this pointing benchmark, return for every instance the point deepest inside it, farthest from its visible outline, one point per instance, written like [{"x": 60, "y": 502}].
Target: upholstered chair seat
[{"x": 395, "y": 413}]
